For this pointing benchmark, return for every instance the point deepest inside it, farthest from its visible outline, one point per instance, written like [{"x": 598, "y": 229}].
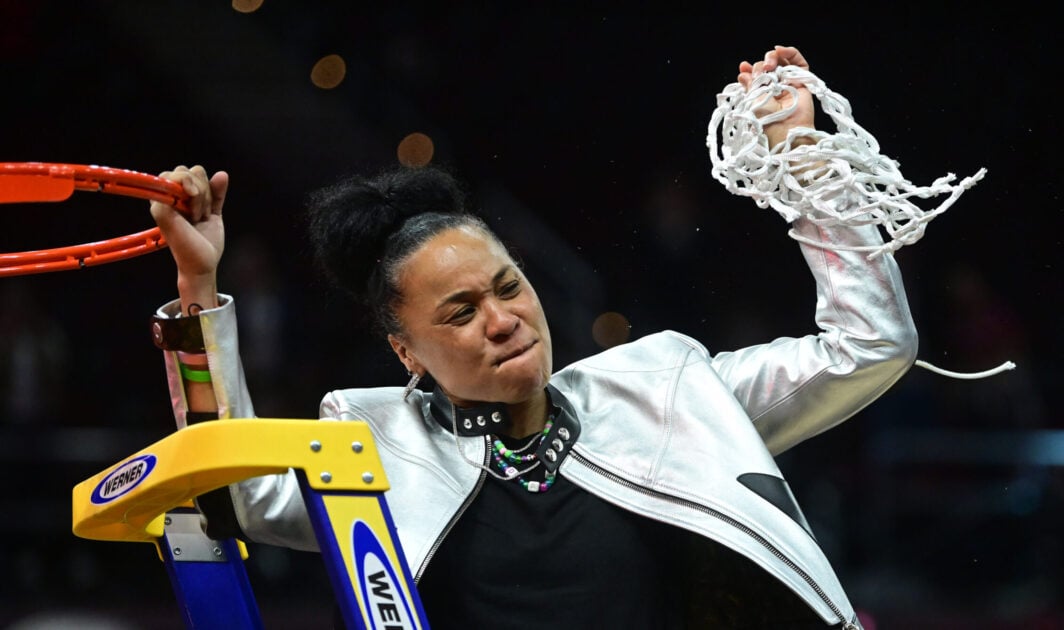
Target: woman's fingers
[
  {"x": 790, "y": 56},
  {"x": 200, "y": 190},
  {"x": 219, "y": 184},
  {"x": 744, "y": 77},
  {"x": 778, "y": 57}
]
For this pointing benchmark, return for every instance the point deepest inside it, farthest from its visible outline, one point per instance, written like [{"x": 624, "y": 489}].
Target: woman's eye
[
  {"x": 510, "y": 289},
  {"x": 463, "y": 315}
]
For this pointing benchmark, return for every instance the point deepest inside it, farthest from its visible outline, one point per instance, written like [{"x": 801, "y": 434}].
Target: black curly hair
[{"x": 363, "y": 229}]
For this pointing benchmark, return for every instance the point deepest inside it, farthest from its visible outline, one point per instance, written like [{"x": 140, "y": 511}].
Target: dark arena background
[{"x": 581, "y": 134}]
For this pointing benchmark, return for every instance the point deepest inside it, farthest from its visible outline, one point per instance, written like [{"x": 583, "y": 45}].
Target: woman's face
[{"x": 471, "y": 320}]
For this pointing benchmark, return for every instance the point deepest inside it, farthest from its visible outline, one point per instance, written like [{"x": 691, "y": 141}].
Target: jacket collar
[{"x": 482, "y": 419}]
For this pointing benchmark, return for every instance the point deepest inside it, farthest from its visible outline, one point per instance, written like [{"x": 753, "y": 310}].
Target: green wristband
[{"x": 196, "y": 376}]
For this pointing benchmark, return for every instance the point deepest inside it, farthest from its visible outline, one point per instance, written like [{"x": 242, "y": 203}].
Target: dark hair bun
[{"x": 351, "y": 221}]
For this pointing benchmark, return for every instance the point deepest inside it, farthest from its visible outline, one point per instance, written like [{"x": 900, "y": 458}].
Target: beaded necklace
[{"x": 506, "y": 459}]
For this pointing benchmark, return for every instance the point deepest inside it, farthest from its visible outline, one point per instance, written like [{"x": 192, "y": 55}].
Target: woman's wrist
[{"x": 197, "y": 292}]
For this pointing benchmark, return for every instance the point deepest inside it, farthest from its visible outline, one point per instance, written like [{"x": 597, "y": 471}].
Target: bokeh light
[
  {"x": 415, "y": 150},
  {"x": 328, "y": 72},
  {"x": 247, "y": 6},
  {"x": 610, "y": 329}
]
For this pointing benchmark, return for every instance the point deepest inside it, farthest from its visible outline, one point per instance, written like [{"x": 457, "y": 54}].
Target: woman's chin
[
  {"x": 519, "y": 388},
  {"x": 513, "y": 382}
]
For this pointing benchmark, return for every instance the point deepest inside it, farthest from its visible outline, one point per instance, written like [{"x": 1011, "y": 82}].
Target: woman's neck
[{"x": 528, "y": 417}]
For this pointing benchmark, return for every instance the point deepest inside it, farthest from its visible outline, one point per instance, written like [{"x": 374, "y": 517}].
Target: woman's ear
[{"x": 402, "y": 350}]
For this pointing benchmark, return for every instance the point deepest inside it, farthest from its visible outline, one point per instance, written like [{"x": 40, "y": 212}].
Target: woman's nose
[{"x": 501, "y": 322}]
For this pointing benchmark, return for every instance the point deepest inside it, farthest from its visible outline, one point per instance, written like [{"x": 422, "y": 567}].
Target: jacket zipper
[
  {"x": 847, "y": 625},
  {"x": 457, "y": 515}
]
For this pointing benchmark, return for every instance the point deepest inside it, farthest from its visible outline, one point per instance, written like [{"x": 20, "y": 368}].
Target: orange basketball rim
[{"x": 41, "y": 181}]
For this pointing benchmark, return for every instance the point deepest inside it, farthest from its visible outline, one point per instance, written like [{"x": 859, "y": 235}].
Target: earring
[{"x": 414, "y": 378}]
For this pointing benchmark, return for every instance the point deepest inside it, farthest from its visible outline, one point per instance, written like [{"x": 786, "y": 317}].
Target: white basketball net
[{"x": 801, "y": 180}]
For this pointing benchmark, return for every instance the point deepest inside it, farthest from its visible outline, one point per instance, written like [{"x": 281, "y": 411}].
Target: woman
[{"x": 633, "y": 489}]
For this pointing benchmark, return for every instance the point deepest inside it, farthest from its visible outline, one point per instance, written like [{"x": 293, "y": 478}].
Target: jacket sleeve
[
  {"x": 267, "y": 509},
  {"x": 223, "y": 357},
  {"x": 793, "y": 389}
]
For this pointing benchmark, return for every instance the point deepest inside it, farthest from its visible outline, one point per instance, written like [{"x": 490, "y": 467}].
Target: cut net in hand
[{"x": 805, "y": 179}]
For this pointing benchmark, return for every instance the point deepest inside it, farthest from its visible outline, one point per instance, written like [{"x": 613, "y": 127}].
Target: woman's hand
[
  {"x": 804, "y": 113},
  {"x": 197, "y": 241}
]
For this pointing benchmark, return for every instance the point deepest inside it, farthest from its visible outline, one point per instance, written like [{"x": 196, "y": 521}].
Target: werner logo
[
  {"x": 382, "y": 591},
  {"x": 123, "y": 479}
]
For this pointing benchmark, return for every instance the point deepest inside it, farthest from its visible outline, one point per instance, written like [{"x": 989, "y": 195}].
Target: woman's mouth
[{"x": 516, "y": 353}]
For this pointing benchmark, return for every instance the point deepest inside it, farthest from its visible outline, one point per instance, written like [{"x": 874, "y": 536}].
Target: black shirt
[{"x": 566, "y": 559}]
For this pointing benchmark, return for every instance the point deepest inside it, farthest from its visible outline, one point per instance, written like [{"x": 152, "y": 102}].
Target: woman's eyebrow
[{"x": 463, "y": 295}]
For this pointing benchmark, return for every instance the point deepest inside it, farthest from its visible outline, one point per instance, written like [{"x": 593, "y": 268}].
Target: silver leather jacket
[{"x": 667, "y": 429}]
